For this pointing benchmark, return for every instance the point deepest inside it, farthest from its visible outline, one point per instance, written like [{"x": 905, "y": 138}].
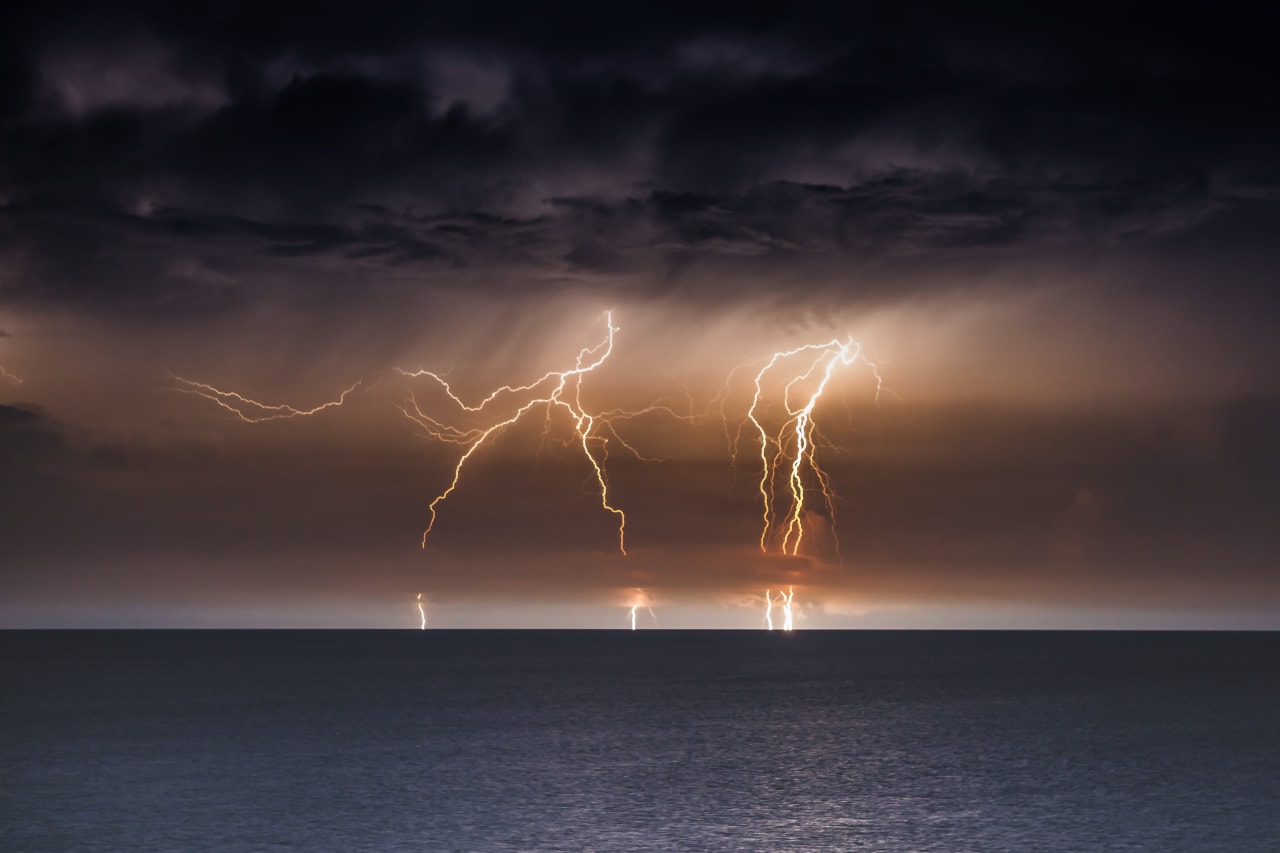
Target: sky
[{"x": 1024, "y": 259}]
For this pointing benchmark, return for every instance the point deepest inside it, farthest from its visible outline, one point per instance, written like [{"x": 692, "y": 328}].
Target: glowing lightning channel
[
  {"x": 553, "y": 391},
  {"x": 784, "y": 599},
  {"x": 4, "y": 374},
  {"x": 254, "y": 411},
  {"x": 787, "y": 624},
  {"x": 422, "y": 612},
  {"x": 642, "y": 601},
  {"x": 788, "y": 454}
]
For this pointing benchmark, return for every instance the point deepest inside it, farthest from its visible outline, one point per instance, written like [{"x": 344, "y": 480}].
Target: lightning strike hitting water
[
  {"x": 422, "y": 612},
  {"x": 642, "y": 602},
  {"x": 784, "y": 599},
  {"x": 789, "y": 467},
  {"x": 554, "y": 391},
  {"x": 787, "y": 624}
]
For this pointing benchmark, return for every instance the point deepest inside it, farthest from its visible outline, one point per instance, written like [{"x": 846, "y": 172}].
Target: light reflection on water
[{"x": 654, "y": 740}]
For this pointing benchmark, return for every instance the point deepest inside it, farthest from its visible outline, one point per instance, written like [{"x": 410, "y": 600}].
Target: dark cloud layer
[{"x": 632, "y": 144}]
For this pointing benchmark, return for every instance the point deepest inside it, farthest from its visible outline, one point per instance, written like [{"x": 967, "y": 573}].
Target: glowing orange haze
[
  {"x": 724, "y": 458},
  {"x": 778, "y": 425},
  {"x": 786, "y": 388}
]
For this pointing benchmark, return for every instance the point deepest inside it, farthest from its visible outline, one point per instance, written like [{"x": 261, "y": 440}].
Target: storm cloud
[{"x": 1054, "y": 227}]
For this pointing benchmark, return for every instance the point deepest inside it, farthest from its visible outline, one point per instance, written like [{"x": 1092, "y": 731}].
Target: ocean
[{"x": 647, "y": 740}]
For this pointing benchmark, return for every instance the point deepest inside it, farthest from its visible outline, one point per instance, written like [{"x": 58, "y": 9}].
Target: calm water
[{"x": 521, "y": 740}]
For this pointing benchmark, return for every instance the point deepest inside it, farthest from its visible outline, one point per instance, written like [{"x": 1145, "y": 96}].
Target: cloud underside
[{"x": 160, "y": 163}]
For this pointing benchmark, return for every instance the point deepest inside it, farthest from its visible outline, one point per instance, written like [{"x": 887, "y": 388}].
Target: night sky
[{"x": 1053, "y": 231}]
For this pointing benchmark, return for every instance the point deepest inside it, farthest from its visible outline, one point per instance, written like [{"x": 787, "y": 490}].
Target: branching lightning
[
  {"x": 254, "y": 411},
  {"x": 778, "y": 425},
  {"x": 789, "y": 468},
  {"x": 554, "y": 391}
]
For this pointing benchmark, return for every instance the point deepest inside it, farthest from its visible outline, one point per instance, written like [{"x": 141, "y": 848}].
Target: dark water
[{"x": 489, "y": 740}]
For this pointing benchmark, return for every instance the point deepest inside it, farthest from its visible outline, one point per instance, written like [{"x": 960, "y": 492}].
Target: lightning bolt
[
  {"x": 554, "y": 391},
  {"x": 422, "y": 613},
  {"x": 779, "y": 423},
  {"x": 784, "y": 599},
  {"x": 642, "y": 601},
  {"x": 789, "y": 467},
  {"x": 4, "y": 374},
  {"x": 255, "y": 411}
]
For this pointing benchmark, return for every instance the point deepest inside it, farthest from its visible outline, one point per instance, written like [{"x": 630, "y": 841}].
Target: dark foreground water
[{"x": 524, "y": 740}]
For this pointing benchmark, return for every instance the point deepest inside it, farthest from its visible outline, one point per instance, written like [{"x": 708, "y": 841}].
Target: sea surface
[{"x": 652, "y": 740}]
